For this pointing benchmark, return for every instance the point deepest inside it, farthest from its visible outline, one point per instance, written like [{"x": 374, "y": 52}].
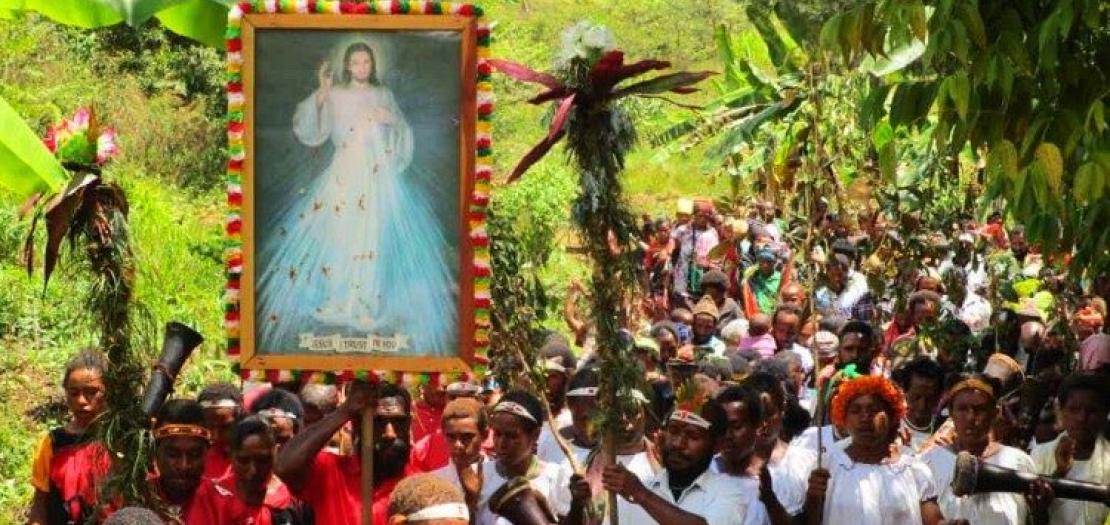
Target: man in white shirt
[
  {"x": 785, "y": 323},
  {"x": 1080, "y": 453},
  {"x": 922, "y": 380},
  {"x": 560, "y": 365},
  {"x": 686, "y": 492},
  {"x": 516, "y": 421},
  {"x": 465, "y": 426},
  {"x": 744, "y": 454}
]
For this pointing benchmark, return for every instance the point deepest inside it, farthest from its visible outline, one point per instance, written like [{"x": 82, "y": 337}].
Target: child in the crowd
[
  {"x": 759, "y": 340},
  {"x": 69, "y": 464}
]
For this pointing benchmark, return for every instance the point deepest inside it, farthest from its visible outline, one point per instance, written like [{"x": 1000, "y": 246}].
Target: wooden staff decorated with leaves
[{"x": 585, "y": 89}]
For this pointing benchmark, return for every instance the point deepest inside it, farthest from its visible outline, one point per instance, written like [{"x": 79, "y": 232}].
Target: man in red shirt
[
  {"x": 180, "y": 446},
  {"x": 223, "y": 406},
  {"x": 249, "y": 494},
  {"x": 428, "y": 410},
  {"x": 331, "y": 484}
]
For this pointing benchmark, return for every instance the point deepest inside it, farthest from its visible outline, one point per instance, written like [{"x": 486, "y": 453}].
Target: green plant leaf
[
  {"x": 896, "y": 60},
  {"x": 752, "y": 51},
  {"x": 1051, "y": 163},
  {"x": 830, "y": 34},
  {"x": 1002, "y": 162},
  {"x": 919, "y": 20},
  {"x": 136, "y": 12},
  {"x": 851, "y": 33},
  {"x": 726, "y": 57},
  {"x": 888, "y": 161},
  {"x": 743, "y": 130},
  {"x": 26, "y": 166},
  {"x": 1096, "y": 117},
  {"x": 871, "y": 109},
  {"x": 902, "y": 104},
  {"x": 1037, "y": 180},
  {"x": 1085, "y": 179},
  {"x": 882, "y": 135},
  {"x": 200, "y": 20},
  {"x": 969, "y": 15},
  {"x": 81, "y": 13},
  {"x": 958, "y": 88}
]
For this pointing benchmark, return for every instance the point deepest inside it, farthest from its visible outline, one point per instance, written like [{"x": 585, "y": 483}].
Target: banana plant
[
  {"x": 58, "y": 180},
  {"x": 200, "y": 20},
  {"x": 27, "y": 167},
  {"x": 758, "y": 89}
]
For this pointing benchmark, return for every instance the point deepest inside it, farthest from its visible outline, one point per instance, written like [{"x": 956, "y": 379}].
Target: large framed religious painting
[{"x": 359, "y": 176}]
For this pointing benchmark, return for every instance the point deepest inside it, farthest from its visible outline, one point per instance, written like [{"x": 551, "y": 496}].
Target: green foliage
[
  {"x": 80, "y": 13},
  {"x": 1022, "y": 81},
  {"x": 26, "y": 166},
  {"x": 200, "y": 20}
]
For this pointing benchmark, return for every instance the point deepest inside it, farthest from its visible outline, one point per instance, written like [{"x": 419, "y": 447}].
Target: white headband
[
  {"x": 555, "y": 364},
  {"x": 586, "y": 391},
  {"x": 443, "y": 511},
  {"x": 276, "y": 412},
  {"x": 591, "y": 391},
  {"x": 516, "y": 409},
  {"x": 686, "y": 416},
  {"x": 219, "y": 403},
  {"x": 459, "y": 387}
]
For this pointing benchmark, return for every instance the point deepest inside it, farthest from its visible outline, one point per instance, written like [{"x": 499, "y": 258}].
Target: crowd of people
[{"x": 832, "y": 372}]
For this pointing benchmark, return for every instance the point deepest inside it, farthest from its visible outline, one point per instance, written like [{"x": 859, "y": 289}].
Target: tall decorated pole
[
  {"x": 586, "y": 87},
  {"x": 92, "y": 213}
]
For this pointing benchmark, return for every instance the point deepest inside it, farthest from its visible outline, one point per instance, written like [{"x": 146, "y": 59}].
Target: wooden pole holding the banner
[{"x": 367, "y": 450}]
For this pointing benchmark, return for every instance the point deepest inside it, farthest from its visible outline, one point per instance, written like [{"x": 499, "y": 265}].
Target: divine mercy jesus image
[{"x": 360, "y": 254}]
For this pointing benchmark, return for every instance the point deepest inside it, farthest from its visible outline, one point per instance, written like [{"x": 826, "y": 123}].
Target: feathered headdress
[
  {"x": 690, "y": 399},
  {"x": 879, "y": 386},
  {"x": 81, "y": 139}
]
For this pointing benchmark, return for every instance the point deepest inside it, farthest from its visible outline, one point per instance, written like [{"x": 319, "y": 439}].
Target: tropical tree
[
  {"x": 932, "y": 108},
  {"x": 1019, "y": 86}
]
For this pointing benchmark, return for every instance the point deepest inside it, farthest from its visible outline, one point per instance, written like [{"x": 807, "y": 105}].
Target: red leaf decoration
[
  {"x": 685, "y": 90},
  {"x": 608, "y": 63},
  {"x": 534, "y": 155},
  {"x": 663, "y": 83},
  {"x": 29, "y": 245},
  {"x": 29, "y": 205},
  {"x": 549, "y": 95},
  {"x": 605, "y": 79},
  {"x": 641, "y": 67},
  {"x": 561, "y": 114},
  {"x": 59, "y": 215},
  {"x": 525, "y": 74}
]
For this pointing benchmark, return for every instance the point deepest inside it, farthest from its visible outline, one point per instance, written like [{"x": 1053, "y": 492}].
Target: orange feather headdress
[{"x": 867, "y": 385}]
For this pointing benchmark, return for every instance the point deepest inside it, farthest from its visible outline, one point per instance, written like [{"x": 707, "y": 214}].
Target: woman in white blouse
[{"x": 867, "y": 480}]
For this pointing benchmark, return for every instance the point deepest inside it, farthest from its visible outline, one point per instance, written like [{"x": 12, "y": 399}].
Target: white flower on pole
[{"x": 585, "y": 40}]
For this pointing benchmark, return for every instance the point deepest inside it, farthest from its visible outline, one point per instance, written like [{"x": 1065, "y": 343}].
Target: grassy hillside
[{"x": 163, "y": 96}]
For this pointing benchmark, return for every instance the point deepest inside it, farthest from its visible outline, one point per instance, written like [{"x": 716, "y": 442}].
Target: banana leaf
[
  {"x": 26, "y": 166},
  {"x": 80, "y": 13},
  {"x": 200, "y": 20}
]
